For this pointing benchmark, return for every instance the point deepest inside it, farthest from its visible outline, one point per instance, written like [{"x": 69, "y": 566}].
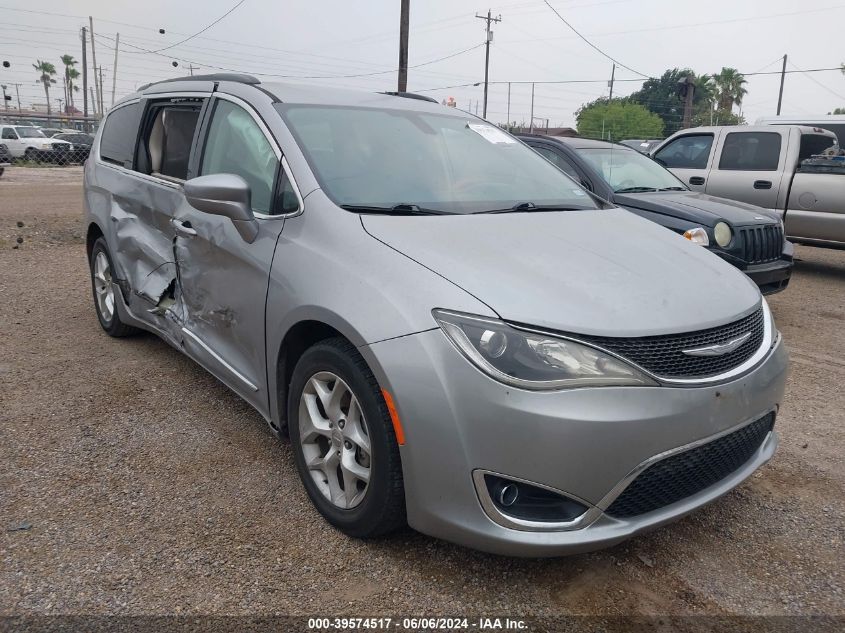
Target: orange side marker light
[{"x": 394, "y": 417}]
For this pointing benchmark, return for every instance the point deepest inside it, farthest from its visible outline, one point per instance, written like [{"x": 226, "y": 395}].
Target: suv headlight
[{"x": 531, "y": 360}]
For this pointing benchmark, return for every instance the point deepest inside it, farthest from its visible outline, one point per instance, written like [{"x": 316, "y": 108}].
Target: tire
[
  {"x": 101, "y": 285},
  {"x": 378, "y": 508},
  {"x": 31, "y": 155}
]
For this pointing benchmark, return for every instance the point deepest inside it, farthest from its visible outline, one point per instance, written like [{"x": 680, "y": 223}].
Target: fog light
[{"x": 521, "y": 500}]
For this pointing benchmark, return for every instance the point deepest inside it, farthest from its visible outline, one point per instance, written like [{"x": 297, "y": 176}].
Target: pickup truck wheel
[
  {"x": 31, "y": 154},
  {"x": 105, "y": 292},
  {"x": 343, "y": 441}
]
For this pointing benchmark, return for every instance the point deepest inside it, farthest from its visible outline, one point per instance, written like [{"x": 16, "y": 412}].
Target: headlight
[
  {"x": 531, "y": 360},
  {"x": 723, "y": 234},
  {"x": 697, "y": 236}
]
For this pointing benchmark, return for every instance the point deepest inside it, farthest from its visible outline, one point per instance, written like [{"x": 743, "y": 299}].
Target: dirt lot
[{"x": 132, "y": 482}]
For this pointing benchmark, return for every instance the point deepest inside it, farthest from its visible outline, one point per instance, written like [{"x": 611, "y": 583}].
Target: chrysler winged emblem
[{"x": 719, "y": 350}]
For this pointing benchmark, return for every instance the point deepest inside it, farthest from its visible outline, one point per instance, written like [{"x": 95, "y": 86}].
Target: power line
[
  {"x": 813, "y": 79},
  {"x": 593, "y": 46},
  {"x": 190, "y": 37},
  {"x": 235, "y": 70}
]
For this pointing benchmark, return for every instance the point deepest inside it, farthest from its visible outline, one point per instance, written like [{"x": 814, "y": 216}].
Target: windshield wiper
[
  {"x": 635, "y": 190},
  {"x": 397, "y": 209},
  {"x": 528, "y": 207},
  {"x": 673, "y": 189}
]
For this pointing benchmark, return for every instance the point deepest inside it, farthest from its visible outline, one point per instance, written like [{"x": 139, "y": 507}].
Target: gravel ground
[{"x": 132, "y": 482}]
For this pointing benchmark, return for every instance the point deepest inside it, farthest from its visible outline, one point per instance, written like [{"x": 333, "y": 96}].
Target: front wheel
[{"x": 343, "y": 441}]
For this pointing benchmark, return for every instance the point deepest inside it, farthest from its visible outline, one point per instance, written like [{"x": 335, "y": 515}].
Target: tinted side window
[
  {"x": 813, "y": 144},
  {"x": 119, "y": 133},
  {"x": 236, "y": 145},
  {"x": 686, "y": 152},
  {"x": 9, "y": 133},
  {"x": 751, "y": 151},
  {"x": 558, "y": 161}
]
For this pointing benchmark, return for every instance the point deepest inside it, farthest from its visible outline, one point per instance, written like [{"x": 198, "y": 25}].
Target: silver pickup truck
[{"x": 762, "y": 165}]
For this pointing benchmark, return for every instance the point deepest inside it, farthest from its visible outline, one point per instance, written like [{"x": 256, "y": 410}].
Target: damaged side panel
[
  {"x": 135, "y": 214},
  {"x": 222, "y": 290}
]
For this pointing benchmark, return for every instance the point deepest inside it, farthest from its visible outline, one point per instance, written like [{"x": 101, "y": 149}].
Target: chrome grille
[
  {"x": 761, "y": 243},
  {"x": 663, "y": 355}
]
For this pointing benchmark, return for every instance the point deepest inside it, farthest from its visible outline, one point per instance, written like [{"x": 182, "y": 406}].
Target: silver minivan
[{"x": 452, "y": 332}]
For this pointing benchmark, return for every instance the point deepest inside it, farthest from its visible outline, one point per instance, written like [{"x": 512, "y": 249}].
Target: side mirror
[{"x": 227, "y": 195}]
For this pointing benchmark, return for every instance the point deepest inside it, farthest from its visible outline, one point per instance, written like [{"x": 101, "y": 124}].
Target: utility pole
[
  {"x": 509, "y": 107},
  {"x": 18, "y": 95},
  {"x": 531, "y": 124},
  {"x": 114, "y": 70},
  {"x": 192, "y": 68},
  {"x": 5, "y": 102},
  {"x": 782, "y": 77},
  {"x": 688, "y": 93},
  {"x": 94, "y": 61},
  {"x": 84, "y": 74},
  {"x": 487, "y": 54},
  {"x": 102, "y": 109},
  {"x": 612, "y": 78},
  {"x": 403, "y": 45},
  {"x": 93, "y": 101}
]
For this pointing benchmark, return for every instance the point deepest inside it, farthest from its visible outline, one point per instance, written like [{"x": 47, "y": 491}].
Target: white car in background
[{"x": 30, "y": 143}]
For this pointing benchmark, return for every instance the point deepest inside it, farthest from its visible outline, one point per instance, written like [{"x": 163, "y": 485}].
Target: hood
[
  {"x": 698, "y": 208},
  {"x": 605, "y": 273}
]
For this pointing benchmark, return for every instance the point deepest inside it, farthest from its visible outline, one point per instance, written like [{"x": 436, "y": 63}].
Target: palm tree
[
  {"x": 46, "y": 70},
  {"x": 706, "y": 95},
  {"x": 729, "y": 84},
  {"x": 70, "y": 75}
]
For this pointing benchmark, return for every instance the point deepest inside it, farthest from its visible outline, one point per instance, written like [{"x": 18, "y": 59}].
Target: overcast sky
[{"x": 309, "y": 38}]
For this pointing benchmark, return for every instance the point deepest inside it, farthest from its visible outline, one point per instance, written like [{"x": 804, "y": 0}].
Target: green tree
[
  {"x": 660, "y": 96},
  {"x": 46, "y": 72},
  {"x": 617, "y": 120},
  {"x": 838, "y": 111},
  {"x": 71, "y": 74},
  {"x": 730, "y": 85}
]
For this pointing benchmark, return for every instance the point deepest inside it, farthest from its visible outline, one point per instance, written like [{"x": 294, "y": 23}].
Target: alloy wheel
[
  {"x": 103, "y": 289},
  {"x": 335, "y": 440}
]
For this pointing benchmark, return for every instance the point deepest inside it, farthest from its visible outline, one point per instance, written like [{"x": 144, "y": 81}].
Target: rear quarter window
[{"x": 120, "y": 130}]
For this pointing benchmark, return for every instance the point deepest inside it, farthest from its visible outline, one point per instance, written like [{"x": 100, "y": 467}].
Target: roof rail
[
  {"x": 411, "y": 95},
  {"x": 235, "y": 77}
]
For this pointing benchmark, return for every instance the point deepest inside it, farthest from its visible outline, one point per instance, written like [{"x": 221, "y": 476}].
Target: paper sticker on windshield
[
  {"x": 491, "y": 134},
  {"x": 578, "y": 192}
]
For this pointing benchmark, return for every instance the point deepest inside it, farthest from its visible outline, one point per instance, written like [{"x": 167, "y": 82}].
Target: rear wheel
[
  {"x": 343, "y": 441},
  {"x": 104, "y": 292}
]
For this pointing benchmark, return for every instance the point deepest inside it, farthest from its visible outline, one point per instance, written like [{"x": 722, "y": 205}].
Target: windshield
[
  {"x": 380, "y": 159},
  {"x": 628, "y": 170},
  {"x": 29, "y": 132}
]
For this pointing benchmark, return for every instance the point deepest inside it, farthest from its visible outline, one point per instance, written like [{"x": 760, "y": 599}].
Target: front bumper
[
  {"x": 584, "y": 442},
  {"x": 771, "y": 277}
]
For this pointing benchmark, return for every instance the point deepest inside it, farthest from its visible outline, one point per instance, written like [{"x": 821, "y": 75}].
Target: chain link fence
[{"x": 39, "y": 140}]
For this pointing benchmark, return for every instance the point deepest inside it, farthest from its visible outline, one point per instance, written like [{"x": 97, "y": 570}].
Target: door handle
[
  {"x": 183, "y": 228},
  {"x": 762, "y": 184},
  {"x": 696, "y": 180}
]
